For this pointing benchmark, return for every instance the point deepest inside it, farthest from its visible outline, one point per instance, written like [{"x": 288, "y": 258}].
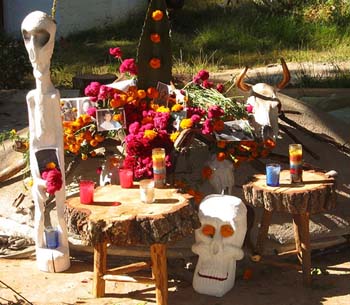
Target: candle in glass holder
[
  {"x": 126, "y": 177},
  {"x": 87, "y": 191},
  {"x": 147, "y": 190},
  {"x": 296, "y": 163},
  {"x": 51, "y": 237},
  {"x": 273, "y": 174},
  {"x": 159, "y": 170}
]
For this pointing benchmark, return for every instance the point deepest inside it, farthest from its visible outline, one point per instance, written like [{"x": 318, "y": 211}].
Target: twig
[{"x": 7, "y": 286}]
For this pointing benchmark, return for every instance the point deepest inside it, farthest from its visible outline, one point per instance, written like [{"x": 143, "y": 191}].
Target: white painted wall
[{"x": 71, "y": 15}]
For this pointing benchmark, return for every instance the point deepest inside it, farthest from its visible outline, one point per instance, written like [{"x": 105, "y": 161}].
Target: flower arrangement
[{"x": 53, "y": 177}]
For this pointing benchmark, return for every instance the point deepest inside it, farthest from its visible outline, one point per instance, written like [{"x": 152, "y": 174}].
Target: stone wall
[{"x": 71, "y": 16}]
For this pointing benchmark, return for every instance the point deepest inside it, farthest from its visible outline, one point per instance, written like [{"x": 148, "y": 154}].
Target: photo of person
[
  {"x": 84, "y": 104},
  {"x": 69, "y": 109},
  {"x": 45, "y": 156},
  {"x": 163, "y": 96},
  {"x": 106, "y": 120}
]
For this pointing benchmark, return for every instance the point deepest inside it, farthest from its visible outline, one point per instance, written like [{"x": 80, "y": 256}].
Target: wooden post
[
  {"x": 302, "y": 222},
  {"x": 263, "y": 230},
  {"x": 100, "y": 259},
  {"x": 297, "y": 240},
  {"x": 160, "y": 272}
]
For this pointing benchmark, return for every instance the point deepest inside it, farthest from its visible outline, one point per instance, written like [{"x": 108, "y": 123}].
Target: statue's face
[{"x": 38, "y": 31}]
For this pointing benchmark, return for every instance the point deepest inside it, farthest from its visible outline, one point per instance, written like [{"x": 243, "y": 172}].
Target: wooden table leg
[
  {"x": 160, "y": 272},
  {"x": 100, "y": 260},
  {"x": 297, "y": 241},
  {"x": 302, "y": 223},
  {"x": 263, "y": 231}
]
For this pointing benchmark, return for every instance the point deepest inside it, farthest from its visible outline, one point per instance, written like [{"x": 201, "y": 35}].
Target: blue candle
[
  {"x": 51, "y": 237},
  {"x": 273, "y": 174}
]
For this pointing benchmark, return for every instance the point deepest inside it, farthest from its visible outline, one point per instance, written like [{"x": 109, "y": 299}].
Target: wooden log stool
[
  {"x": 118, "y": 217},
  {"x": 316, "y": 194}
]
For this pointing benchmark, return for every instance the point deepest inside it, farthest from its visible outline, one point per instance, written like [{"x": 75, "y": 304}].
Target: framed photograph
[
  {"x": 110, "y": 119},
  {"x": 163, "y": 96},
  {"x": 178, "y": 116},
  {"x": 237, "y": 130},
  {"x": 45, "y": 156},
  {"x": 69, "y": 109}
]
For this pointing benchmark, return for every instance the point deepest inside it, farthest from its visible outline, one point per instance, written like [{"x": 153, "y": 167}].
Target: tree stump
[
  {"x": 317, "y": 193},
  {"x": 170, "y": 218}
]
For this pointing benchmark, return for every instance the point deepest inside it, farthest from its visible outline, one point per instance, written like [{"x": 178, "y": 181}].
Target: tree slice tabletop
[
  {"x": 119, "y": 217},
  {"x": 317, "y": 193}
]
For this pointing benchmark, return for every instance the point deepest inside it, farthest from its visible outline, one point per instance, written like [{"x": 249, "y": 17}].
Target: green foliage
[{"x": 14, "y": 63}]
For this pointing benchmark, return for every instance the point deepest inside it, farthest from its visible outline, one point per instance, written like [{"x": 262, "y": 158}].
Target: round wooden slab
[
  {"x": 317, "y": 193},
  {"x": 118, "y": 216}
]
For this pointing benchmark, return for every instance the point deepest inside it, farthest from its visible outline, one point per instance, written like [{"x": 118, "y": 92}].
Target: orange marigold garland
[
  {"x": 155, "y": 38},
  {"x": 157, "y": 15},
  {"x": 154, "y": 63}
]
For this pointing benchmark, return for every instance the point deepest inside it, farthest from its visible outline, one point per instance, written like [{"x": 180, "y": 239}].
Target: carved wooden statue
[{"x": 46, "y": 141}]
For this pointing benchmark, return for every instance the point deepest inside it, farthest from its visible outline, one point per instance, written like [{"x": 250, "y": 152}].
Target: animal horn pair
[{"x": 246, "y": 87}]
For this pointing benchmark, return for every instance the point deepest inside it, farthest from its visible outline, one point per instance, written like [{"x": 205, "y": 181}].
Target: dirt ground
[{"x": 268, "y": 285}]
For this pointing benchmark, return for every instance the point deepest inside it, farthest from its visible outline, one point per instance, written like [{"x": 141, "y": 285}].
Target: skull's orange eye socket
[
  {"x": 226, "y": 231},
  {"x": 208, "y": 230}
]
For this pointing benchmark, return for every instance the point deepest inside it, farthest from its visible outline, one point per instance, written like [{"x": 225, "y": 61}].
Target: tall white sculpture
[
  {"x": 219, "y": 243},
  {"x": 45, "y": 139}
]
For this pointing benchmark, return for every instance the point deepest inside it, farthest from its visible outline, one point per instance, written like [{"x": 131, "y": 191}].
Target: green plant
[{"x": 14, "y": 64}]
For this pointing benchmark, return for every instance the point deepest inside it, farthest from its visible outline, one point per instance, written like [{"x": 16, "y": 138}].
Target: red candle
[
  {"x": 87, "y": 191},
  {"x": 126, "y": 177}
]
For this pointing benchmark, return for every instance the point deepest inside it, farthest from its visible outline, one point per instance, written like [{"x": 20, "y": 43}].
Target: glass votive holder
[
  {"x": 147, "y": 190},
  {"x": 86, "y": 191},
  {"x": 273, "y": 174},
  {"x": 296, "y": 163},
  {"x": 51, "y": 237},
  {"x": 159, "y": 170},
  {"x": 126, "y": 177}
]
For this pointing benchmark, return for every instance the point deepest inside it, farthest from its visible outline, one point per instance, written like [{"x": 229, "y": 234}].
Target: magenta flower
[
  {"x": 207, "y": 84},
  {"x": 207, "y": 127},
  {"x": 215, "y": 112},
  {"x": 195, "y": 118},
  {"x": 197, "y": 80},
  {"x": 116, "y": 52},
  {"x": 91, "y": 111},
  {"x": 92, "y": 90},
  {"x": 128, "y": 66},
  {"x": 203, "y": 75},
  {"x": 249, "y": 108},
  {"x": 220, "y": 88},
  {"x": 53, "y": 179}
]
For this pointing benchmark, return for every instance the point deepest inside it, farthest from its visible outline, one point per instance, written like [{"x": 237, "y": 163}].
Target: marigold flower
[
  {"x": 154, "y": 63},
  {"x": 207, "y": 172},
  {"x": 221, "y": 156},
  {"x": 269, "y": 143},
  {"x": 150, "y": 134},
  {"x": 115, "y": 103},
  {"x": 221, "y": 144},
  {"x": 152, "y": 93},
  {"x": 99, "y": 138},
  {"x": 157, "y": 15},
  {"x": 93, "y": 143},
  {"x": 93, "y": 153},
  {"x": 141, "y": 94},
  {"x": 155, "y": 38},
  {"x": 177, "y": 107},
  {"x": 174, "y": 135},
  {"x": 84, "y": 157},
  {"x": 50, "y": 165},
  {"x": 218, "y": 125},
  {"x": 186, "y": 123},
  {"x": 163, "y": 109},
  {"x": 118, "y": 117},
  {"x": 247, "y": 274}
]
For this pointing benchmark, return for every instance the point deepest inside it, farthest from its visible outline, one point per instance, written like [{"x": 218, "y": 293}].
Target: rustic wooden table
[
  {"x": 118, "y": 217},
  {"x": 316, "y": 194}
]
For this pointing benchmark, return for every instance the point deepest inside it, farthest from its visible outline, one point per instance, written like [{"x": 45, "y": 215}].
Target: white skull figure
[
  {"x": 45, "y": 133},
  {"x": 222, "y": 178},
  {"x": 38, "y": 30},
  {"x": 219, "y": 243},
  {"x": 266, "y": 105}
]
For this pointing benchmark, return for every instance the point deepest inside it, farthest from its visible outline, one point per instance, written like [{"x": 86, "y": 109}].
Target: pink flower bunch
[
  {"x": 53, "y": 179},
  {"x": 128, "y": 66},
  {"x": 116, "y": 52},
  {"x": 99, "y": 92},
  {"x": 139, "y": 145},
  {"x": 202, "y": 78}
]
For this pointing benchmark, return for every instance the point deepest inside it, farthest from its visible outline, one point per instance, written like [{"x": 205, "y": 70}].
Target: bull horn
[
  {"x": 240, "y": 83},
  {"x": 286, "y": 75}
]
